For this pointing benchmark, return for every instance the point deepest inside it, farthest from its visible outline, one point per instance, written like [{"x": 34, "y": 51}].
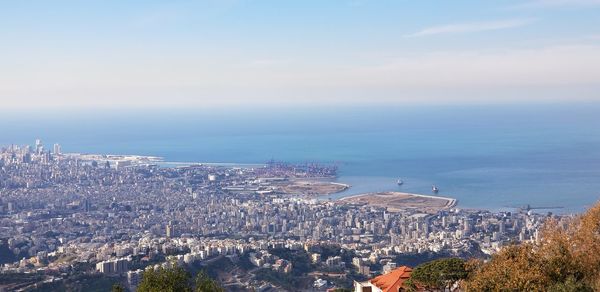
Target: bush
[{"x": 566, "y": 259}]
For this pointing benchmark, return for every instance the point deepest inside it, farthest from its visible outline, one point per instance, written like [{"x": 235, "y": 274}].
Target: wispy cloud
[
  {"x": 472, "y": 27},
  {"x": 557, "y": 3},
  {"x": 197, "y": 80}
]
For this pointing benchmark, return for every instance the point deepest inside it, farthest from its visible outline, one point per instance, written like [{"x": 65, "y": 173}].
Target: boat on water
[
  {"x": 400, "y": 182},
  {"x": 435, "y": 189}
]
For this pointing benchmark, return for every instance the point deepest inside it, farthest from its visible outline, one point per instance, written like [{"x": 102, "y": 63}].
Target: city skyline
[
  {"x": 118, "y": 54},
  {"x": 128, "y": 214}
]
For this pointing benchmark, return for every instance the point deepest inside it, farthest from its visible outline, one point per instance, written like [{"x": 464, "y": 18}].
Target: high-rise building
[
  {"x": 467, "y": 226},
  {"x": 120, "y": 266},
  {"x": 38, "y": 146},
  {"x": 105, "y": 267},
  {"x": 57, "y": 150},
  {"x": 117, "y": 266},
  {"x": 170, "y": 230},
  {"x": 501, "y": 227},
  {"x": 87, "y": 205},
  {"x": 134, "y": 278}
]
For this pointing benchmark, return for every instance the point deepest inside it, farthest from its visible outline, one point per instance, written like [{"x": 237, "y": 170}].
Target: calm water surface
[{"x": 485, "y": 156}]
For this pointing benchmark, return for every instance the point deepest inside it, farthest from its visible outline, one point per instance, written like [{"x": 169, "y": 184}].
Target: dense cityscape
[{"x": 114, "y": 216}]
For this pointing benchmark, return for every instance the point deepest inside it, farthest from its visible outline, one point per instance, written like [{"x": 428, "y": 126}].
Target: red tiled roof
[{"x": 393, "y": 280}]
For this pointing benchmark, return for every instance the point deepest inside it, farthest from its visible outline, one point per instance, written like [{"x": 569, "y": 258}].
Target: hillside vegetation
[{"x": 567, "y": 258}]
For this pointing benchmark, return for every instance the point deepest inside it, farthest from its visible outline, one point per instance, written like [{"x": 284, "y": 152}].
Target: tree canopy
[
  {"x": 176, "y": 280},
  {"x": 567, "y": 258},
  {"x": 205, "y": 284},
  {"x": 117, "y": 288},
  {"x": 439, "y": 274},
  {"x": 167, "y": 280}
]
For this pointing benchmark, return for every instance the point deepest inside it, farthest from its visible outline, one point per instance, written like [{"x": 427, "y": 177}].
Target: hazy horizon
[{"x": 194, "y": 54}]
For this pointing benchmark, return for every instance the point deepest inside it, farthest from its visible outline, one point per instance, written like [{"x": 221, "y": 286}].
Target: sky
[{"x": 193, "y": 54}]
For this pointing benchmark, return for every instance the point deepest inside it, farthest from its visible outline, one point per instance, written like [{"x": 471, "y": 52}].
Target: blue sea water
[{"x": 485, "y": 156}]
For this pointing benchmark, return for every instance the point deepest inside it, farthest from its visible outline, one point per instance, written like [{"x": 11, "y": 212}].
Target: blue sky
[{"x": 222, "y": 53}]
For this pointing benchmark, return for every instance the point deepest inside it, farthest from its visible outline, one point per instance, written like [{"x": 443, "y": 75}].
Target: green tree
[
  {"x": 117, "y": 288},
  {"x": 439, "y": 274},
  {"x": 571, "y": 285},
  {"x": 165, "y": 280},
  {"x": 205, "y": 284}
]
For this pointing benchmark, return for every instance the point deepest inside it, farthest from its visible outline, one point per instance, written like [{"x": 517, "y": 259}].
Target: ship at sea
[
  {"x": 435, "y": 189},
  {"x": 399, "y": 182}
]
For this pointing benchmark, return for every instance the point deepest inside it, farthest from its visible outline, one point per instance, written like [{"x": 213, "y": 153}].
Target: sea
[{"x": 495, "y": 157}]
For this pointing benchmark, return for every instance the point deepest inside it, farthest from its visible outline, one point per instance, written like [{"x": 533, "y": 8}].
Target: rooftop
[{"x": 393, "y": 280}]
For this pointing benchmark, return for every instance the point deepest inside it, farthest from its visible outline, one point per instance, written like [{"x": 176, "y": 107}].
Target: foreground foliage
[
  {"x": 439, "y": 274},
  {"x": 176, "y": 280},
  {"x": 567, "y": 258},
  {"x": 205, "y": 284}
]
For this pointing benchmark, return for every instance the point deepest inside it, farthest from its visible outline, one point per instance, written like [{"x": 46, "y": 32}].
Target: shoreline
[
  {"x": 144, "y": 159},
  {"x": 160, "y": 161},
  {"x": 225, "y": 164}
]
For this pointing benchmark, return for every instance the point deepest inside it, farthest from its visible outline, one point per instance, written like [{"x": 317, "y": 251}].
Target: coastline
[
  {"x": 337, "y": 195},
  {"x": 318, "y": 190},
  {"x": 224, "y": 164}
]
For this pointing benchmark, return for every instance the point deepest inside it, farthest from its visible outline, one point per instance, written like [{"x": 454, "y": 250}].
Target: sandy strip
[{"x": 396, "y": 201}]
